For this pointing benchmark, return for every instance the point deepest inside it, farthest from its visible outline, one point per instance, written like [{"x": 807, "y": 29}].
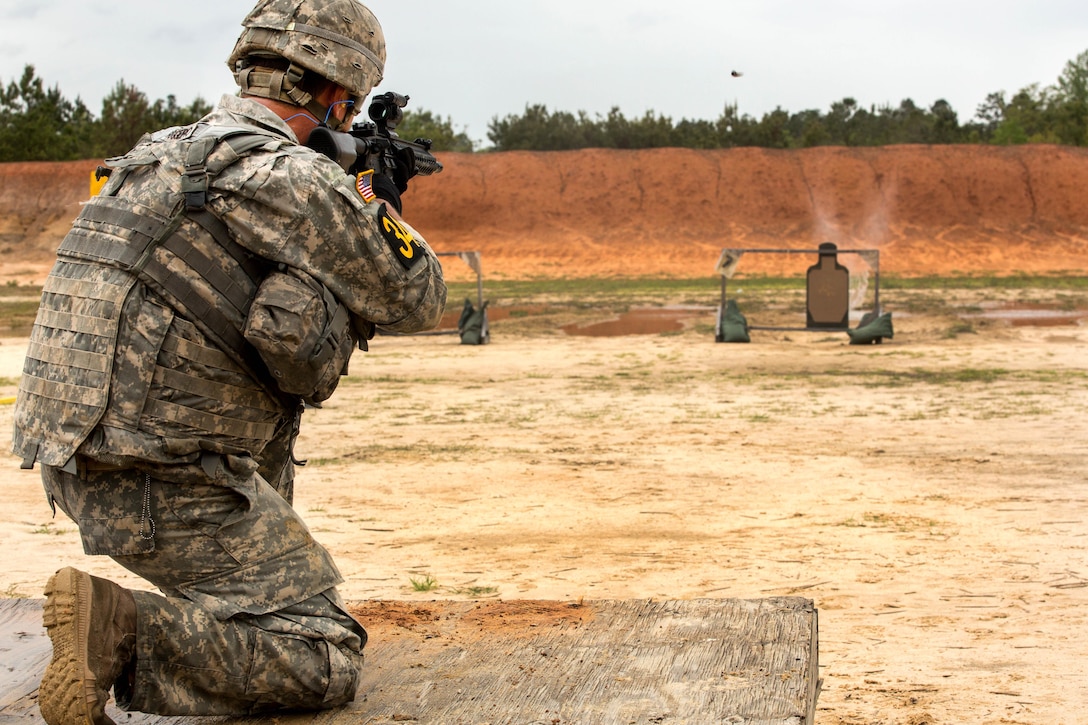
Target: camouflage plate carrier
[{"x": 97, "y": 324}]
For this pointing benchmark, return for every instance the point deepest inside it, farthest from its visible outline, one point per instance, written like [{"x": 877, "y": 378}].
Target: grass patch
[
  {"x": 49, "y": 529},
  {"x": 17, "y": 314},
  {"x": 475, "y": 591},
  {"x": 702, "y": 288},
  {"x": 975, "y": 282},
  {"x": 588, "y": 288},
  {"x": 928, "y": 376},
  {"x": 961, "y": 376},
  {"x": 960, "y": 328},
  {"x": 544, "y": 306},
  {"x": 425, "y": 583},
  {"x": 757, "y": 418},
  {"x": 12, "y": 592},
  {"x": 404, "y": 380},
  {"x": 400, "y": 452},
  {"x": 900, "y": 523}
]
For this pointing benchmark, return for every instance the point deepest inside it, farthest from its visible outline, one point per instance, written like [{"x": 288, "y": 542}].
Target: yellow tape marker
[{"x": 97, "y": 182}]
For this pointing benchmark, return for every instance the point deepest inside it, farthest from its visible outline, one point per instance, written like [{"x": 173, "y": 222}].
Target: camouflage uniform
[{"x": 173, "y": 456}]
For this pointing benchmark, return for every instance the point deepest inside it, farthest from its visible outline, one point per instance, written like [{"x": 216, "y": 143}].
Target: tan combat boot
[{"x": 92, "y": 624}]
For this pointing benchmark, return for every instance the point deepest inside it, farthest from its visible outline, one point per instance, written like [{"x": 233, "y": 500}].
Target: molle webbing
[
  {"x": 186, "y": 255},
  {"x": 64, "y": 387},
  {"x": 194, "y": 181},
  {"x": 137, "y": 255},
  {"x": 150, "y": 246},
  {"x": 221, "y": 318}
]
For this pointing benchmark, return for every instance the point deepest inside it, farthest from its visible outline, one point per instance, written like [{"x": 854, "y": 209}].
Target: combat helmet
[{"x": 339, "y": 40}]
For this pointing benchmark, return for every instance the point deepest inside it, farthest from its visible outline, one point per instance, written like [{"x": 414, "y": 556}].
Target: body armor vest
[{"x": 138, "y": 336}]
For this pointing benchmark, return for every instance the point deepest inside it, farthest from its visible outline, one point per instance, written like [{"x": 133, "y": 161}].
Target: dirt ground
[
  {"x": 669, "y": 212},
  {"x": 928, "y": 494}
]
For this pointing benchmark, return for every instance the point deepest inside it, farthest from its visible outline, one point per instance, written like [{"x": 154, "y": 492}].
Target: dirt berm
[{"x": 669, "y": 212}]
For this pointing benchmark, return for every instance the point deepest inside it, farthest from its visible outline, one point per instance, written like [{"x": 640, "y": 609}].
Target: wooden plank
[
  {"x": 751, "y": 661},
  {"x": 24, "y": 652}
]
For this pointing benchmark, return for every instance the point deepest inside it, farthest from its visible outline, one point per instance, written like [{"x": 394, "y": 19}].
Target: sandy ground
[{"x": 929, "y": 494}]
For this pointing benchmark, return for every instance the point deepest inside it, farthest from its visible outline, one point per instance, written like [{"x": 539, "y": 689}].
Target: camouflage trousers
[{"x": 249, "y": 620}]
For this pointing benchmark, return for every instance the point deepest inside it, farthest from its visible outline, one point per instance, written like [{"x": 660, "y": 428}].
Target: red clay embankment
[{"x": 669, "y": 212}]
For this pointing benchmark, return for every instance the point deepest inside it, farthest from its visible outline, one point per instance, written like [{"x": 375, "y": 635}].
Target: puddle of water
[
  {"x": 453, "y": 315},
  {"x": 642, "y": 321},
  {"x": 1030, "y": 315}
]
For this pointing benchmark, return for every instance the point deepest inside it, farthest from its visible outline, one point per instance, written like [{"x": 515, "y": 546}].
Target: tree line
[
  {"x": 38, "y": 123},
  {"x": 1055, "y": 114}
]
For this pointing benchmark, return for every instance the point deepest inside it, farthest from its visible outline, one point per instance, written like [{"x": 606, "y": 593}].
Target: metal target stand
[
  {"x": 820, "y": 294},
  {"x": 472, "y": 259}
]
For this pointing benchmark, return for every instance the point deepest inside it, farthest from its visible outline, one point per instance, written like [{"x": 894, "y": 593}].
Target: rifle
[{"x": 375, "y": 144}]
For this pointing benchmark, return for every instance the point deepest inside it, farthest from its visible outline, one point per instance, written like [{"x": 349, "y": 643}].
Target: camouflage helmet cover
[{"x": 340, "y": 40}]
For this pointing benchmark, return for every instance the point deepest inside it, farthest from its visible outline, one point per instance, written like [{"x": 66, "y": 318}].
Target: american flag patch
[{"x": 363, "y": 183}]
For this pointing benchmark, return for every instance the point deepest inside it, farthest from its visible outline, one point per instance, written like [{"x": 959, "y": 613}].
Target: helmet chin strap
[
  {"x": 282, "y": 85},
  {"x": 331, "y": 121}
]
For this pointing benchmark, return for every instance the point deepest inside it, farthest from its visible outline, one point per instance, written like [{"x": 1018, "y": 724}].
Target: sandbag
[
  {"x": 872, "y": 329},
  {"x": 472, "y": 326},
  {"x": 732, "y": 325}
]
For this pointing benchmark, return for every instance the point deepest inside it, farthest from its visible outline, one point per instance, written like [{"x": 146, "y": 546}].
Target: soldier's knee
[{"x": 345, "y": 667}]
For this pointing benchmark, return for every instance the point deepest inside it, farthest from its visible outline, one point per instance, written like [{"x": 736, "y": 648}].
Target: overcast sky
[{"x": 474, "y": 60}]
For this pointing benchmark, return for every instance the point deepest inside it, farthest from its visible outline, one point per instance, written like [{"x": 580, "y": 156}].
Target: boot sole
[{"x": 67, "y": 693}]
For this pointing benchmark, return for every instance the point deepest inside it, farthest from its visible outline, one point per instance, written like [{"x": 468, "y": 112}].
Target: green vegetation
[
  {"x": 18, "y": 307},
  {"x": 1055, "y": 114},
  {"x": 1076, "y": 282},
  {"x": 960, "y": 328},
  {"x": 590, "y": 290},
  {"x": 421, "y": 123},
  {"x": 896, "y": 522},
  {"x": 432, "y": 452},
  {"x": 39, "y": 124},
  {"x": 564, "y": 301},
  {"x": 50, "y": 529},
  {"x": 544, "y": 306},
  {"x": 428, "y": 583},
  {"x": 475, "y": 591},
  {"x": 640, "y": 288},
  {"x": 425, "y": 583}
]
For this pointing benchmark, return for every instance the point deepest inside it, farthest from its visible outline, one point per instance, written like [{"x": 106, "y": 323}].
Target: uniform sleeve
[{"x": 307, "y": 213}]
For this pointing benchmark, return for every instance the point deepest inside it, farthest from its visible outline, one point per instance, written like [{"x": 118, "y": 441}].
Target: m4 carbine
[{"x": 376, "y": 145}]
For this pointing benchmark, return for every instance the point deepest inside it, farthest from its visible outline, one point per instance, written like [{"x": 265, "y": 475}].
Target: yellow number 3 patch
[{"x": 405, "y": 247}]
